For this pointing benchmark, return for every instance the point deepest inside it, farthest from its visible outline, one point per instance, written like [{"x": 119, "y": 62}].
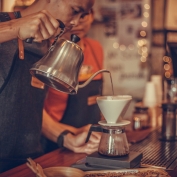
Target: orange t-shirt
[{"x": 56, "y": 102}]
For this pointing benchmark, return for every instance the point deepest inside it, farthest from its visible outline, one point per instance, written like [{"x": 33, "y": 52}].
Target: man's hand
[
  {"x": 39, "y": 26},
  {"x": 77, "y": 144}
]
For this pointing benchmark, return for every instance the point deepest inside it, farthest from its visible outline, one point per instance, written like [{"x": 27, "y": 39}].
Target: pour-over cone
[{"x": 113, "y": 108}]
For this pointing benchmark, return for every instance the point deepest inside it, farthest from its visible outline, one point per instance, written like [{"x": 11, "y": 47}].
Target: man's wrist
[
  {"x": 13, "y": 25},
  {"x": 60, "y": 139}
]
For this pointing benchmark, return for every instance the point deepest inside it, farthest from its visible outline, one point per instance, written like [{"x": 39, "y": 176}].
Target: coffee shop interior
[{"x": 139, "y": 41}]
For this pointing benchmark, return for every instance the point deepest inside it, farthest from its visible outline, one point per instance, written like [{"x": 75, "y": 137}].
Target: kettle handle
[
  {"x": 91, "y": 77},
  {"x": 93, "y": 128},
  {"x": 61, "y": 25}
]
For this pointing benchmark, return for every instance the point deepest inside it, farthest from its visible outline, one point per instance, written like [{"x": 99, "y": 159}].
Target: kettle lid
[{"x": 75, "y": 38}]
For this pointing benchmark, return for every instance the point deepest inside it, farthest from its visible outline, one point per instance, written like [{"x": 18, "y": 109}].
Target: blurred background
[{"x": 134, "y": 35}]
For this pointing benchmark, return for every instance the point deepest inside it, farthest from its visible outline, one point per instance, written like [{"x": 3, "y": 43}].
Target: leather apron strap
[{"x": 15, "y": 15}]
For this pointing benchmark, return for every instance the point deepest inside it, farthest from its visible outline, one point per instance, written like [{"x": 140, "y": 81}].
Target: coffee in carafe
[{"x": 113, "y": 142}]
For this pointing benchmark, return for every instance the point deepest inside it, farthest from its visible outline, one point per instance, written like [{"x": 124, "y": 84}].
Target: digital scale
[{"x": 96, "y": 161}]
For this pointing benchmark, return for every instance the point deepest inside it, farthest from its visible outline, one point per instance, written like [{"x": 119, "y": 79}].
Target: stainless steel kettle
[{"x": 60, "y": 66}]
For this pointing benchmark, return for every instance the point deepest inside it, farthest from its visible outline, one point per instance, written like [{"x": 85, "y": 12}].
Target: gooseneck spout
[{"x": 91, "y": 77}]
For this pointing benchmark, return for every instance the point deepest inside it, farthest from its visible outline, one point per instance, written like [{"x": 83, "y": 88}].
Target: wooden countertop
[{"x": 62, "y": 157}]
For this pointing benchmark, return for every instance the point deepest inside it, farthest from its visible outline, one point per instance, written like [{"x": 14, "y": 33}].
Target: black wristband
[{"x": 60, "y": 139}]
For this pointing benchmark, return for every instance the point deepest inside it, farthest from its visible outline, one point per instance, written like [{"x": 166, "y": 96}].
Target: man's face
[
  {"x": 69, "y": 11},
  {"x": 83, "y": 27}
]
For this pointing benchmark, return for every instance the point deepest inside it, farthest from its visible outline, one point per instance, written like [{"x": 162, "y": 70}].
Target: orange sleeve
[
  {"x": 55, "y": 103},
  {"x": 100, "y": 55},
  {"x": 94, "y": 51},
  {"x": 98, "y": 51}
]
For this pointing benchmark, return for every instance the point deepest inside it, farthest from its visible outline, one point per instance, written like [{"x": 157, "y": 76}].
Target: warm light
[
  {"x": 143, "y": 33},
  {"x": 144, "y": 49},
  {"x": 144, "y": 24},
  {"x": 146, "y": 14},
  {"x": 147, "y": 6},
  {"x": 140, "y": 42},
  {"x": 167, "y": 59},
  {"x": 167, "y": 74},
  {"x": 144, "y": 54},
  {"x": 143, "y": 59},
  {"x": 166, "y": 66},
  {"x": 122, "y": 47},
  {"x": 144, "y": 41},
  {"x": 174, "y": 89},
  {"x": 116, "y": 45}
]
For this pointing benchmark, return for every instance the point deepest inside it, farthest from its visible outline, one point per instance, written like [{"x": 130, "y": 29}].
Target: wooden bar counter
[
  {"x": 64, "y": 157},
  {"x": 56, "y": 158},
  {"x": 60, "y": 157}
]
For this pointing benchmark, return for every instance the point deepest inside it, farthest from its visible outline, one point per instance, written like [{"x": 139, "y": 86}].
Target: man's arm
[
  {"x": 7, "y": 31},
  {"x": 39, "y": 26},
  {"x": 51, "y": 129}
]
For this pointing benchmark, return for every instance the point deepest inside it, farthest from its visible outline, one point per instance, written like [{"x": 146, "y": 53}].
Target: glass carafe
[{"x": 113, "y": 141}]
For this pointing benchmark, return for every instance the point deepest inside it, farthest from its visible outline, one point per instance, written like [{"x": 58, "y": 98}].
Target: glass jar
[
  {"x": 141, "y": 118},
  {"x": 168, "y": 131},
  {"x": 113, "y": 141}
]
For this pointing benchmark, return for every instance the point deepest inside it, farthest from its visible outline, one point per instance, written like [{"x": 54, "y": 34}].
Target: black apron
[
  {"x": 78, "y": 113},
  {"x": 20, "y": 113}
]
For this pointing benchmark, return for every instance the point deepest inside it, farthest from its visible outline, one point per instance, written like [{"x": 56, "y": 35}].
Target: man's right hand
[
  {"x": 39, "y": 26},
  {"x": 77, "y": 144}
]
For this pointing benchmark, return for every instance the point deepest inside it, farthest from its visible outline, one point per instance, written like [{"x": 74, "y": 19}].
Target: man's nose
[{"x": 75, "y": 21}]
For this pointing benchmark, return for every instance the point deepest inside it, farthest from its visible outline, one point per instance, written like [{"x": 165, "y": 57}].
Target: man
[
  {"x": 21, "y": 100},
  {"x": 76, "y": 112}
]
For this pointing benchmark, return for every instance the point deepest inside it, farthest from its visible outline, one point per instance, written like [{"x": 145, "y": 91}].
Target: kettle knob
[
  {"x": 61, "y": 25},
  {"x": 75, "y": 38}
]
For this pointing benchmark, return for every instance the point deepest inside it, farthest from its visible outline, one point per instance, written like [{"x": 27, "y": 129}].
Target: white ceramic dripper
[{"x": 113, "y": 108}]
